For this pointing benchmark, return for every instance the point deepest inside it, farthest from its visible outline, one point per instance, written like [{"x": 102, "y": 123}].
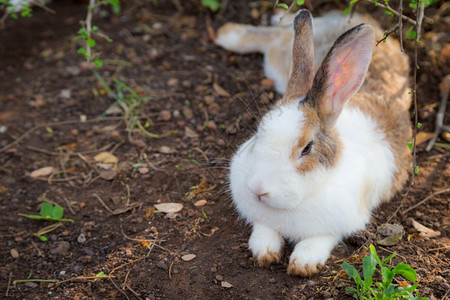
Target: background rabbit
[{"x": 333, "y": 148}]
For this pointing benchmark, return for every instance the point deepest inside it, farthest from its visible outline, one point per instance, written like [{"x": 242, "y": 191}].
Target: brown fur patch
[
  {"x": 326, "y": 148},
  {"x": 268, "y": 259},
  {"x": 296, "y": 269},
  {"x": 302, "y": 66},
  {"x": 384, "y": 97}
]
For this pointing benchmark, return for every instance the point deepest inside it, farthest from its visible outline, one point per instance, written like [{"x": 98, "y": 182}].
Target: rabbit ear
[
  {"x": 302, "y": 64},
  {"x": 342, "y": 72}
]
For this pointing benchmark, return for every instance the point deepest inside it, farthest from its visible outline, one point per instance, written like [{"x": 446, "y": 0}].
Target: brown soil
[{"x": 168, "y": 55}]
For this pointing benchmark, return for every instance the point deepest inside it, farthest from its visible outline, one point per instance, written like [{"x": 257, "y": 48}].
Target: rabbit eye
[{"x": 307, "y": 149}]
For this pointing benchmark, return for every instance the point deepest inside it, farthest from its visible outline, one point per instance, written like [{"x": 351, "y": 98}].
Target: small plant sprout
[
  {"x": 49, "y": 212},
  {"x": 367, "y": 288},
  {"x": 99, "y": 275},
  {"x": 212, "y": 5}
]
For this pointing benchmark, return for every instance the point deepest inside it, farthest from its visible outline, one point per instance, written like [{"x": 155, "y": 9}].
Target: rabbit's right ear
[{"x": 301, "y": 73}]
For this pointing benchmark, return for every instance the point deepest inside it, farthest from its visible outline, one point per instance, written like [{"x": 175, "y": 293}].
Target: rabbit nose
[{"x": 259, "y": 191}]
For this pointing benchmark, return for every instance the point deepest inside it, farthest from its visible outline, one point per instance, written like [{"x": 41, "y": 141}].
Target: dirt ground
[{"x": 202, "y": 103}]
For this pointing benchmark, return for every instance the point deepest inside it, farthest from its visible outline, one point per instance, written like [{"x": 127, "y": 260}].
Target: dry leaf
[
  {"x": 220, "y": 90},
  {"x": 422, "y": 137},
  {"x": 107, "y": 174},
  {"x": 124, "y": 209},
  {"x": 190, "y": 133},
  {"x": 106, "y": 158},
  {"x": 424, "y": 231},
  {"x": 188, "y": 257},
  {"x": 226, "y": 284},
  {"x": 169, "y": 207},
  {"x": 200, "y": 203},
  {"x": 42, "y": 172}
]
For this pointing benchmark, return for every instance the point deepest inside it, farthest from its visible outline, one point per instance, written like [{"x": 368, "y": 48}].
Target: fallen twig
[
  {"x": 103, "y": 203},
  {"x": 426, "y": 199}
]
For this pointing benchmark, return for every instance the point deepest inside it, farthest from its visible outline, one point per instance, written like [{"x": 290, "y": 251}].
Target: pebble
[
  {"x": 14, "y": 253},
  {"x": 187, "y": 113},
  {"x": 61, "y": 248},
  {"x": 62, "y": 273},
  {"x": 31, "y": 284},
  {"x": 81, "y": 238},
  {"x": 208, "y": 100},
  {"x": 214, "y": 109},
  {"x": 220, "y": 142},
  {"x": 172, "y": 82},
  {"x": 188, "y": 257},
  {"x": 226, "y": 284},
  {"x": 176, "y": 114},
  {"x": 165, "y": 115},
  {"x": 211, "y": 125},
  {"x": 162, "y": 266},
  {"x": 219, "y": 278}
]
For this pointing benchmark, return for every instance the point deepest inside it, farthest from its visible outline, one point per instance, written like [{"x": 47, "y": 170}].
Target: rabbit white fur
[{"x": 325, "y": 156}]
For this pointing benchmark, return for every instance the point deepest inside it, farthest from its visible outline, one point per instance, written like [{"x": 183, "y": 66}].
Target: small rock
[
  {"x": 65, "y": 94},
  {"x": 81, "y": 238},
  {"x": 85, "y": 259},
  {"x": 188, "y": 257},
  {"x": 143, "y": 170},
  {"x": 211, "y": 125},
  {"x": 226, "y": 284},
  {"x": 165, "y": 115},
  {"x": 187, "y": 113},
  {"x": 255, "y": 14},
  {"x": 172, "y": 82},
  {"x": 186, "y": 84},
  {"x": 162, "y": 266},
  {"x": 214, "y": 109},
  {"x": 219, "y": 278},
  {"x": 14, "y": 253},
  {"x": 73, "y": 70},
  {"x": 165, "y": 150},
  {"x": 208, "y": 100},
  {"x": 220, "y": 142},
  {"x": 176, "y": 114},
  {"x": 62, "y": 273},
  {"x": 31, "y": 284},
  {"x": 390, "y": 229},
  {"x": 62, "y": 248}
]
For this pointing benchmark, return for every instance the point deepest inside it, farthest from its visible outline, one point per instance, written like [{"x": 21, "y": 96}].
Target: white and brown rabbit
[{"x": 333, "y": 148}]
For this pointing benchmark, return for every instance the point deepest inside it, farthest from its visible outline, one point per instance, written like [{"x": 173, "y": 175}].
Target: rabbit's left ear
[
  {"x": 342, "y": 72},
  {"x": 302, "y": 64}
]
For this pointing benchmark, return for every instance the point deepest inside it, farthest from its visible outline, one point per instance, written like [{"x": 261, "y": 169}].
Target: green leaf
[
  {"x": 411, "y": 34},
  {"x": 283, "y": 5},
  {"x": 410, "y": 145},
  {"x": 416, "y": 170},
  {"x": 57, "y": 212},
  {"x": 46, "y": 210},
  {"x": 389, "y": 13},
  {"x": 369, "y": 266},
  {"x": 95, "y": 29},
  {"x": 300, "y": 2},
  {"x": 351, "y": 271},
  {"x": 406, "y": 271},
  {"x": 81, "y": 51},
  {"x": 419, "y": 125},
  {"x": 98, "y": 62},
  {"x": 91, "y": 42},
  {"x": 212, "y": 5},
  {"x": 43, "y": 238},
  {"x": 387, "y": 276}
]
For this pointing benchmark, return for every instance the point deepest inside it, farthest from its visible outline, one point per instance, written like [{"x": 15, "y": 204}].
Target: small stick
[
  {"x": 38, "y": 250},
  {"x": 103, "y": 203},
  {"x": 69, "y": 206},
  {"x": 440, "y": 248},
  {"x": 394, "y": 12},
  {"x": 426, "y": 199},
  {"x": 9, "y": 284}
]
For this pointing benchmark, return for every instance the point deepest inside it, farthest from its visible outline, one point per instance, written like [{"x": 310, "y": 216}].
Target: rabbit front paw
[
  {"x": 266, "y": 245},
  {"x": 310, "y": 255}
]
